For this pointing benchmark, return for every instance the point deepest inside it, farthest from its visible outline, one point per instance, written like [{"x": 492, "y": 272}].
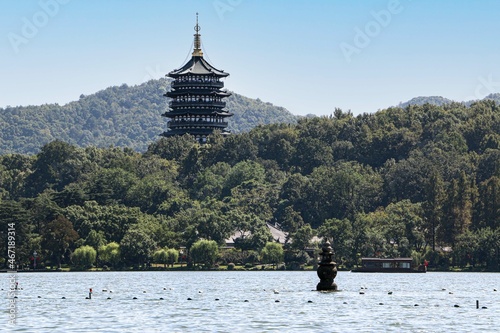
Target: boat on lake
[{"x": 388, "y": 265}]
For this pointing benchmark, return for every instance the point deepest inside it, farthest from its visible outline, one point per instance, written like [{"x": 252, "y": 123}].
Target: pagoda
[{"x": 196, "y": 106}]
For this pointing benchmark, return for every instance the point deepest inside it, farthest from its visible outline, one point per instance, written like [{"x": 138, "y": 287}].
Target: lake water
[{"x": 252, "y": 301}]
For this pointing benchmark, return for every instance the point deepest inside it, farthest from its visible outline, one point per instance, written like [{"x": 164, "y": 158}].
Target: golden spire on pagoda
[{"x": 197, "y": 40}]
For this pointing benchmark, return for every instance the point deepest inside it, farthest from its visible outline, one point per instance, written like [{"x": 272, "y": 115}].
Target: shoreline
[{"x": 184, "y": 269}]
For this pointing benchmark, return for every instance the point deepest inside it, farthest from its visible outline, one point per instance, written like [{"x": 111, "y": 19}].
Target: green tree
[
  {"x": 289, "y": 219},
  {"x": 277, "y": 142},
  {"x": 488, "y": 205},
  {"x": 312, "y": 153},
  {"x": 341, "y": 192},
  {"x": 210, "y": 181},
  {"x": 166, "y": 256},
  {"x": 137, "y": 247},
  {"x": 95, "y": 239},
  {"x": 295, "y": 252},
  {"x": 110, "y": 186},
  {"x": 175, "y": 148},
  {"x": 410, "y": 216},
  {"x": 458, "y": 208},
  {"x": 243, "y": 172},
  {"x": 406, "y": 179},
  {"x": 395, "y": 230},
  {"x": 150, "y": 192},
  {"x": 84, "y": 257},
  {"x": 160, "y": 257},
  {"x": 43, "y": 209},
  {"x": 206, "y": 222},
  {"x": 254, "y": 233},
  {"x": 112, "y": 220},
  {"x": 272, "y": 253},
  {"x": 57, "y": 165},
  {"x": 110, "y": 254},
  {"x": 302, "y": 238},
  {"x": 57, "y": 238},
  {"x": 433, "y": 206},
  {"x": 232, "y": 149},
  {"x": 340, "y": 235},
  {"x": 14, "y": 169},
  {"x": 172, "y": 256},
  {"x": 211, "y": 224},
  {"x": 205, "y": 252}
]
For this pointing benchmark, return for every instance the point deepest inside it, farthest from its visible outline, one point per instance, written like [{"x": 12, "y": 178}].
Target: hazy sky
[{"x": 308, "y": 56}]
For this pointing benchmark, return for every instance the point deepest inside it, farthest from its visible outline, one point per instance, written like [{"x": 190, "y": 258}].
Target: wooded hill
[
  {"x": 440, "y": 101},
  {"x": 124, "y": 116},
  {"x": 423, "y": 181}
]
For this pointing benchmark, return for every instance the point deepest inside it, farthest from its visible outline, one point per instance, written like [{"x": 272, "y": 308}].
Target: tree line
[{"x": 420, "y": 182}]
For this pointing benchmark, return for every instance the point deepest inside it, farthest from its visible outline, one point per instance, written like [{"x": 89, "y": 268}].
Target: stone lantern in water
[{"x": 327, "y": 269}]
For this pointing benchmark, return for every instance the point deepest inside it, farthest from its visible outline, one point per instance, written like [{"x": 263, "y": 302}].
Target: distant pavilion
[{"x": 196, "y": 106}]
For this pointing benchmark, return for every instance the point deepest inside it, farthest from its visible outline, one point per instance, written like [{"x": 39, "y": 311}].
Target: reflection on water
[{"x": 254, "y": 302}]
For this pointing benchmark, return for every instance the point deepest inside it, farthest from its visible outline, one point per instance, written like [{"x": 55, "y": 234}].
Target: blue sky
[{"x": 308, "y": 56}]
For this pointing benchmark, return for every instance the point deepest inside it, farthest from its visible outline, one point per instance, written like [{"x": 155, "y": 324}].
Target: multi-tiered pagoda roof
[{"x": 196, "y": 106}]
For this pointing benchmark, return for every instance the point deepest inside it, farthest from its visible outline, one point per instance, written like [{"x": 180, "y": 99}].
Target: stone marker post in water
[{"x": 327, "y": 269}]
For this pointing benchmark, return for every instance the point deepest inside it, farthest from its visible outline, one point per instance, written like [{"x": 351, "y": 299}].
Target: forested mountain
[
  {"x": 124, "y": 116},
  {"x": 438, "y": 100},
  {"x": 423, "y": 181},
  {"x": 421, "y": 100}
]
